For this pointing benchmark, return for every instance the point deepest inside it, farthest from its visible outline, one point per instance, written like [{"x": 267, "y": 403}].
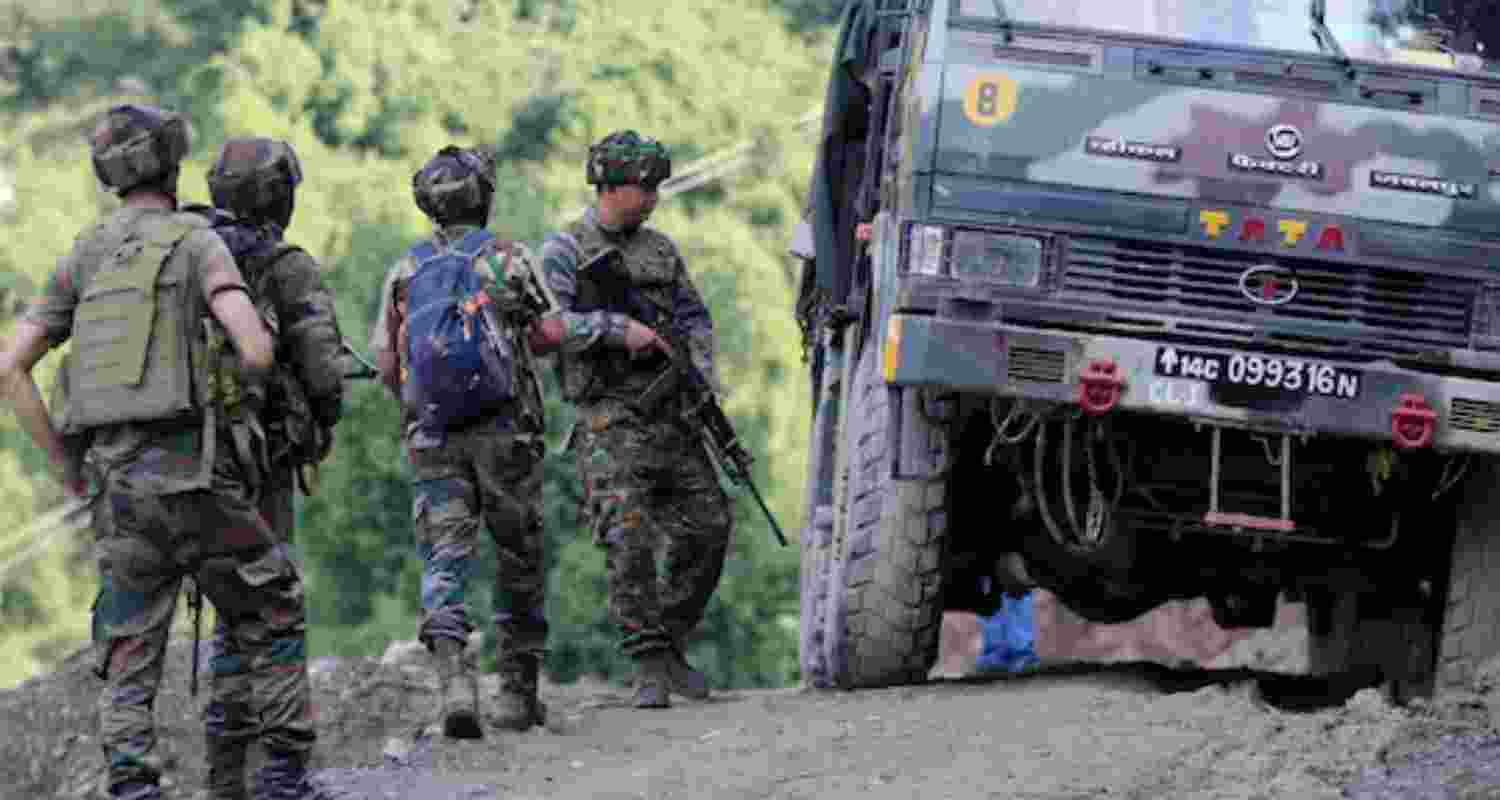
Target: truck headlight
[
  {"x": 999, "y": 257},
  {"x": 925, "y": 254}
]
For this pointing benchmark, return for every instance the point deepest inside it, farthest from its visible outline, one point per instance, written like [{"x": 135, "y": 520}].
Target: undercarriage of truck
[{"x": 1126, "y": 511}]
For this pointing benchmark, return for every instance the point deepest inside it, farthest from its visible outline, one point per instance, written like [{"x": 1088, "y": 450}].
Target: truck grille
[
  {"x": 1479, "y": 416},
  {"x": 1037, "y": 365},
  {"x": 1340, "y": 309}
]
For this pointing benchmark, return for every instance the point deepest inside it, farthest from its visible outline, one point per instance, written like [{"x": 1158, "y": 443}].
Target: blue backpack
[{"x": 459, "y": 364}]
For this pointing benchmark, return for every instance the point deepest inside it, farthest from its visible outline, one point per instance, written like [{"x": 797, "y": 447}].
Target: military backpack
[{"x": 459, "y": 363}]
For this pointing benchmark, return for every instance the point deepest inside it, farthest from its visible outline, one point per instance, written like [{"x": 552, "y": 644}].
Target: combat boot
[
  {"x": 686, "y": 681},
  {"x": 459, "y": 688},
  {"x": 518, "y": 706},
  {"x": 133, "y": 790},
  {"x": 653, "y": 679},
  {"x": 227, "y": 757},
  {"x": 285, "y": 776}
]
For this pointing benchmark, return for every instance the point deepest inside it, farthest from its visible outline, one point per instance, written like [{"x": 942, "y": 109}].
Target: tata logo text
[
  {"x": 1218, "y": 224},
  {"x": 1269, "y": 285}
]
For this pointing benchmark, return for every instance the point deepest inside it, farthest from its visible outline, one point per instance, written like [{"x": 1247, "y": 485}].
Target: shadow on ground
[{"x": 1296, "y": 693}]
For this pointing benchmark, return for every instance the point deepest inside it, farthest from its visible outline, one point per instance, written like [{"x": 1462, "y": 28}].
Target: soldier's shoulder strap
[
  {"x": 421, "y": 252},
  {"x": 279, "y": 251},
  {"x": 185, "y": 221},
  {"x": 475, "y": 241}
]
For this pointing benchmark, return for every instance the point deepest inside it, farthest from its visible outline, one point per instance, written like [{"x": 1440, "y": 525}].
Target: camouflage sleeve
[
  {"x": 53, "y": 310},
  {"x": 382, "y": 334},
  {"x": 310, "y": 334},
  {"x": 581, "y": 330},
  {"x": 217, "y": 270},
  {"x": 691, "y": 321}
]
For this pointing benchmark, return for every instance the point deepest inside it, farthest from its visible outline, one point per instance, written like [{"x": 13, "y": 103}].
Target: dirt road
[{"x": 1117, "y": 731}]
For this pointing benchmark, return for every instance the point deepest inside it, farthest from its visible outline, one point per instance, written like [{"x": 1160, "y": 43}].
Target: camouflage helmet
[
  {"x": 625, "y": 157},
  {"x": 454, "y": 183},
  {"x": 254, "y": 176},
  {"x": 138, "y": 144}
]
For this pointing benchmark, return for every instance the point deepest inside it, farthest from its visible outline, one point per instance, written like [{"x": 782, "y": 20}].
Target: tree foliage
[
  {"x": 808, "y": 16},
  {"x": 365, "y": 90}
]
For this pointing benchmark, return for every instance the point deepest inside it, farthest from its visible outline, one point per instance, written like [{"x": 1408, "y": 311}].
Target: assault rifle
[
  {"x": 530, "y": 298},
  {"x": 361, "y": 369},
  {"x": 603, "y": 284}
]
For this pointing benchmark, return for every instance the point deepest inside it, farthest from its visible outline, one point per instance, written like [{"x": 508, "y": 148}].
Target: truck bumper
[{"x": 1376, "y": 401}]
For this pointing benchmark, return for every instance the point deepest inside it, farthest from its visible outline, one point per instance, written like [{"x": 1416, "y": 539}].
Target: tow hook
[
  {"x": 1413, "y": 422},
  {"x": 1099, "y": 386}
]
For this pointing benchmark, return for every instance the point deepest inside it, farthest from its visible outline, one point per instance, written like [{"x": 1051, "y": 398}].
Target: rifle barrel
[{"x": 754, "y": 492}]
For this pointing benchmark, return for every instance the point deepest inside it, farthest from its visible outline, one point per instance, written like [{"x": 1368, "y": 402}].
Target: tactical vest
[
  {"x": 136, "y": 327},
  {"x": 600, "y": 372}
]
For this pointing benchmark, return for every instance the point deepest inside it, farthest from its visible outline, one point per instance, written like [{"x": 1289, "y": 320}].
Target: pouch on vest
[
  {"x": 132, "y": 333},
  {"x": 460, "y": 364}
]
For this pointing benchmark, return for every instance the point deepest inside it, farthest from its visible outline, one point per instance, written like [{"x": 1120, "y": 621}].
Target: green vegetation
[{"x": 365, "y": 91}]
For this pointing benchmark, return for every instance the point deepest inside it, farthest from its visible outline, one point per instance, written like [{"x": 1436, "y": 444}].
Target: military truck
[{"x": 1151, "y": 300}]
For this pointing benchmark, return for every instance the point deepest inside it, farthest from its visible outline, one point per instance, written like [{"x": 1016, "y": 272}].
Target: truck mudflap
[{"x": 1376, "y": 401}]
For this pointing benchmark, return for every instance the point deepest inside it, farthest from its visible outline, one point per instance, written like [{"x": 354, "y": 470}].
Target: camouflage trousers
[
  {"x": 650, "y": 492},
  {"x": 147, "y": 543},
  {"x": 228, "y": 724},
  {"x": 482, "y": 475}
]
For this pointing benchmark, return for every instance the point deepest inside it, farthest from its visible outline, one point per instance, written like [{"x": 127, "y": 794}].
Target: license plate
[{"x": 1292, "y": 375}]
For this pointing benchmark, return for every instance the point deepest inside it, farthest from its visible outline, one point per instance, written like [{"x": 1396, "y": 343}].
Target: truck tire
[
  {"x": 821, "y": 515},
  {"x": 811, "y": 649},
  {"x": 817, "y": 539},
  {"x": 1393, "y": 648},
  {"x": 883, "y": 609},
  {"x": 1471, "y": 613}
]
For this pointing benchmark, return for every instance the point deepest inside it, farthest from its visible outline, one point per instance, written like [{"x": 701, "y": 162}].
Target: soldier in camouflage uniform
[
  {"x": 176, "y": 501},
  {"x": 253, "y": 184},
  {"x": 648, "y": 483},
  {"x": 487, "y": 473}
]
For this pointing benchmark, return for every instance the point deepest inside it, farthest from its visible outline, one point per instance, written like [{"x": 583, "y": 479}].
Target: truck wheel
[
  {"x": 1393, "y": 647},
  {"x": 813, "y": 599},
  {"x": 883, "y": 610},
  {"x": 1471, "y": 616},
  {"x": 812, "y": 653},
  {"x": 820, "y": 515}
]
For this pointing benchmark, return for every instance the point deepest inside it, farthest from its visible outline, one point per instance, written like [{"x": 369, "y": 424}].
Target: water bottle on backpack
[{"x": 459, "y": 363}]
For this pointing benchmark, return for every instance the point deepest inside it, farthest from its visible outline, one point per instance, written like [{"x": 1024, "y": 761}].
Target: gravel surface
[{"x": 1069, "y": 731}]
